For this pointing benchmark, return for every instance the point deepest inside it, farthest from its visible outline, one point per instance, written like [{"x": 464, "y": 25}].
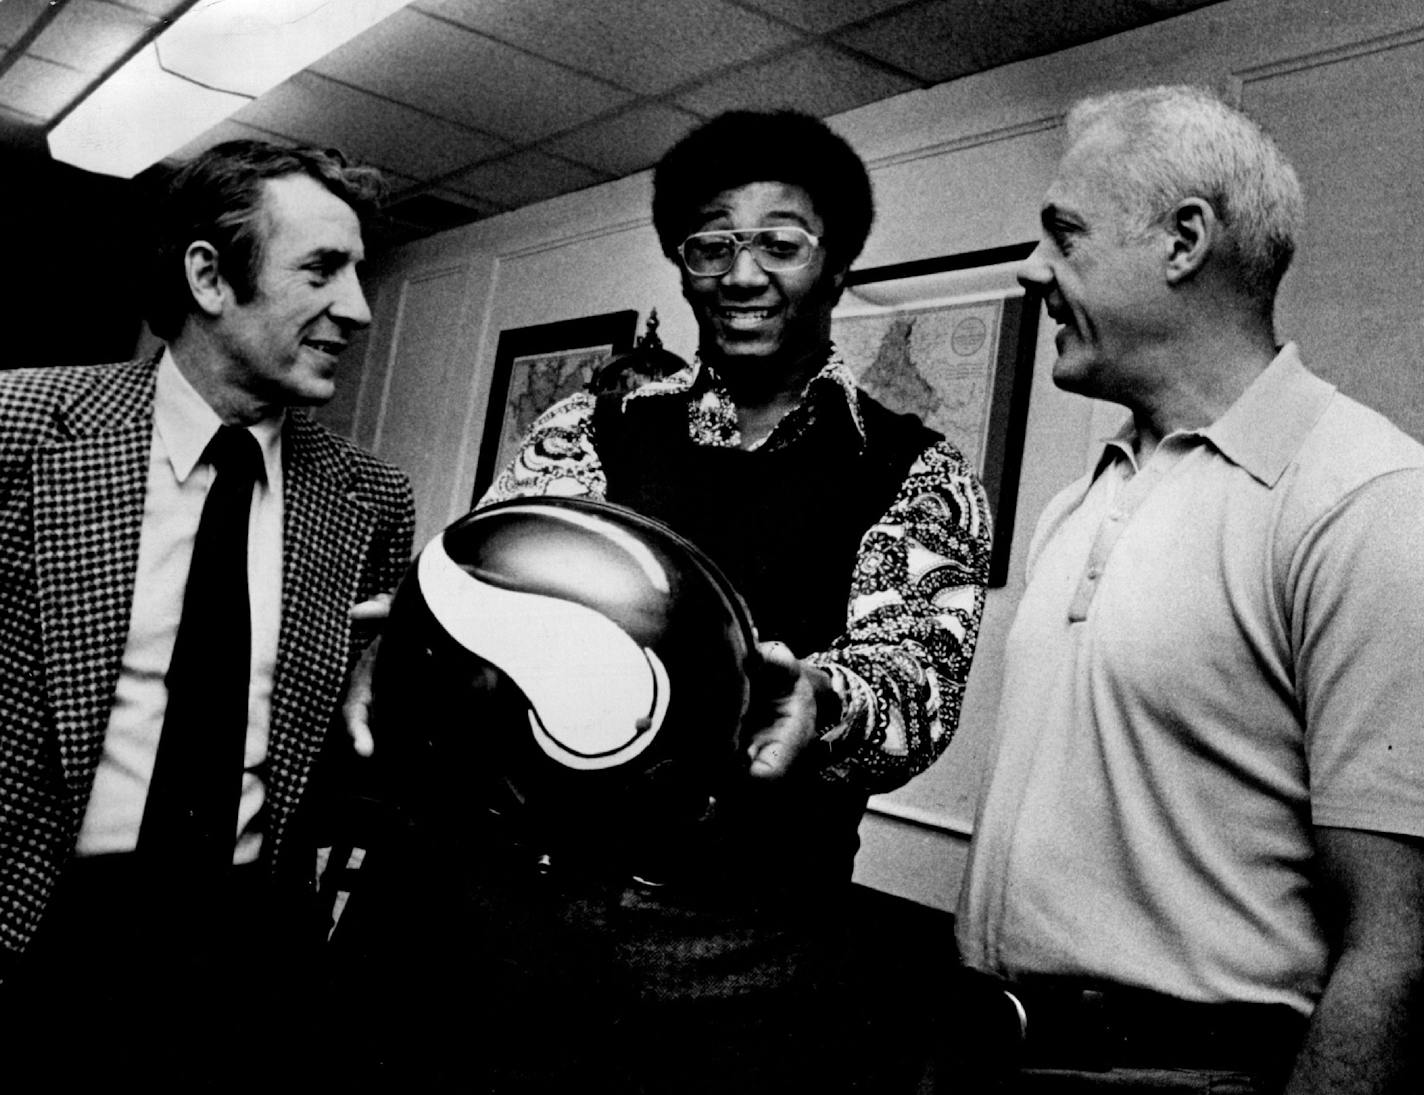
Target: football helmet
[{"x": 571, "y": 667}]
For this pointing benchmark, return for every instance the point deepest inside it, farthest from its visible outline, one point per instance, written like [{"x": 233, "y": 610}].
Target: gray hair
[{"x": 1172, "y": 143}]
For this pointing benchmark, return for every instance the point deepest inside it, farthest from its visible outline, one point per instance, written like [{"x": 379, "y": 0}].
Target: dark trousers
[
  {"x": 494, "y": 979},
  {"x": 163, "y": 984}
]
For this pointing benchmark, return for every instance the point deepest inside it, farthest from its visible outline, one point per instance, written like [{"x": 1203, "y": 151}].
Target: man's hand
[
  {"x": 356, "y": 707},
  {"x": 784, "y": 695}
]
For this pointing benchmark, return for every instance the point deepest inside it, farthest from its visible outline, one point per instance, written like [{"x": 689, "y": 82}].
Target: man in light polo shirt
[{"x": 1197, "y": 861}]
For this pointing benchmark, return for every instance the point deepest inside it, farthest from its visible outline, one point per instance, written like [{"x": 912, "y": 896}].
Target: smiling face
[
  {"x": 749, "y": 320},
  {"x": 280, "y": 348},
  {"x": 1101, "y": 281}
]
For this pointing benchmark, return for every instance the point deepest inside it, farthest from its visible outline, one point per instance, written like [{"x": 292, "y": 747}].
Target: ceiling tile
[
  {"x": 229, "y": 130},
  {"x": 156, "y": 8},
  {"x": 435, "y": 212},
  {"x": 817, "y": 79},
  {"x": 523, "y": 178},
  {"x": 468, "y": 78},
  {"x": 312, "y": 110},
  {"x": 17, "y": 16},
  {"x": 649, "y": 46},
  {"x": 40, "y": 88},
  {"x": 422, "y": 213},
  {"x": 930, "y": 41},
  {"x": 627, "y": 143},
  {"x": 16, "y": 126},
  {"x": 938, "y": 40},
  {"x": 404, "y": 188},
  {"x": 90, "y": 36},
  {"x": 483, "y": 207},
  {"x": 820, "y": 16}
]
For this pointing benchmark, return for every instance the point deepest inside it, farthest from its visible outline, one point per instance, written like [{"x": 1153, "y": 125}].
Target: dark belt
[{"x": 1097, "y": 1027}]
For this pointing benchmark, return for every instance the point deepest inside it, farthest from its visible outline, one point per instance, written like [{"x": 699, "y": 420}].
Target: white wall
[{"x": 961, "y": 167}]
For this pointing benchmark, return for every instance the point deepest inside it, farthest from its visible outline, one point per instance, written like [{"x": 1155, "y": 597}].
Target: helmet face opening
[{"x": 568, "y": 664}]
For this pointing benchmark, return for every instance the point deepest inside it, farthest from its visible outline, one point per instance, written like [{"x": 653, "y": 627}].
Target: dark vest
[{"x": 785, "y": 526}]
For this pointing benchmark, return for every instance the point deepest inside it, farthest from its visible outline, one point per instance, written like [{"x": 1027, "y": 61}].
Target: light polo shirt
[
  {"x": 177, "y": 486},
  {"x": 1214, "y": 653}
]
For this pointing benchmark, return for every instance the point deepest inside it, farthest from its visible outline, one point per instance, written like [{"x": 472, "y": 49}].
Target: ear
[
  {"x": 200, "y": 266},
  {"x": 836, "y": 283},
  {"x": 1193, "y": 230}
]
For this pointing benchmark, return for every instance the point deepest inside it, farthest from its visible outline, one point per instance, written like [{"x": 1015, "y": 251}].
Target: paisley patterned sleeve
[
  {"x": 913, "y": 617},
  {"x": 556, "y": 457}
]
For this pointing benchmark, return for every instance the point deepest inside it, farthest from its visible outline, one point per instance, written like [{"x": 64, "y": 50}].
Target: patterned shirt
[{"x": 917, "y": 591}]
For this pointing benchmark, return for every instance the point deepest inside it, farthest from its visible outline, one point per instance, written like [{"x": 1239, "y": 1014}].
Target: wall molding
[
  {"x": 972, "y": 140},
  {"x": 1303, "y": 62},
  {"x": 630, "y": 224}
]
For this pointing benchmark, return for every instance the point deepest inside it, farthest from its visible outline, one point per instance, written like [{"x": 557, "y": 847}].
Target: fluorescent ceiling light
[{"x": 217, "y": 57}]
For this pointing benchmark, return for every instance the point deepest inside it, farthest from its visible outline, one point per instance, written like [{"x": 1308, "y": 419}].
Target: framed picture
[
  {"x": 535, "y": 367},
  {"x": 951, "y": 340}
]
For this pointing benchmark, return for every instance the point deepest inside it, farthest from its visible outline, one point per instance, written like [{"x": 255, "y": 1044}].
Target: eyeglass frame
[{"x": 741, "y": 245}]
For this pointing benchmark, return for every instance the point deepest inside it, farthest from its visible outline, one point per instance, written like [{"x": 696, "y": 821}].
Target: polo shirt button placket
[{"x": 1097, "y": 560}]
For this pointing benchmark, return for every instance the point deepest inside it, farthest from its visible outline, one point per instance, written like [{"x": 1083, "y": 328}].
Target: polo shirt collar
[
  {"x": 1265, "y": 428},
  {"x": 1262, "y": 431}
]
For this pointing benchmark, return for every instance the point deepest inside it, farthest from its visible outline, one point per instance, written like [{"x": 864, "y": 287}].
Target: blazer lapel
[
  {"x": 88, "y": 489},
  {"x": 326, "y": 537}
]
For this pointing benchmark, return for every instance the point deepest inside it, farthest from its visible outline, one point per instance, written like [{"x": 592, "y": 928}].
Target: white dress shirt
[{"x": 177, "y": 487}]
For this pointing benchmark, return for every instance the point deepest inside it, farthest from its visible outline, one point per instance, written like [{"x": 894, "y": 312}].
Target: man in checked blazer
[{"x": 102, "y": 480}]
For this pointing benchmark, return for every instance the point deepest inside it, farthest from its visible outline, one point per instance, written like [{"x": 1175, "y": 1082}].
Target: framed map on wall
[
  {"x": 951, "y": 340},
  {"x": 535, "y": 367}
]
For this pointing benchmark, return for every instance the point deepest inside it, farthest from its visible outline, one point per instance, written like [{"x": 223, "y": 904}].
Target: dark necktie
[{"x": 190, "y": 818}]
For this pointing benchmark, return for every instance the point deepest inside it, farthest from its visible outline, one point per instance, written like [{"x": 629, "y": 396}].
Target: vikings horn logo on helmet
[
  {"x": 597, "y": 698},
  {"x": 568, "y": 665}
]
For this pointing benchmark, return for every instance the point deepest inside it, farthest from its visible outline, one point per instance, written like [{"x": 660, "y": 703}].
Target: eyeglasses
[{"x": 776, "y": 250}]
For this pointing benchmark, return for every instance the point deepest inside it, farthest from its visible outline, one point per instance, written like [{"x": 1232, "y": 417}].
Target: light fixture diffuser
[{"x": 220, "y": 55}]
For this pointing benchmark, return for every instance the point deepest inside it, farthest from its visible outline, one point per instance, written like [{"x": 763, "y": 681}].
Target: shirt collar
[
  {"x": 1121, "y": 445},
  {"x": 1263, "y": 430},
  {"x": 834, "y": 379},
  {"x": 838, "y": 374},
  {"x": 186, "y": 423}
]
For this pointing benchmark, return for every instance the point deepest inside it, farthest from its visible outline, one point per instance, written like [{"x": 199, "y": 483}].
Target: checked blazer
[{"x": 74, "y": 449}]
